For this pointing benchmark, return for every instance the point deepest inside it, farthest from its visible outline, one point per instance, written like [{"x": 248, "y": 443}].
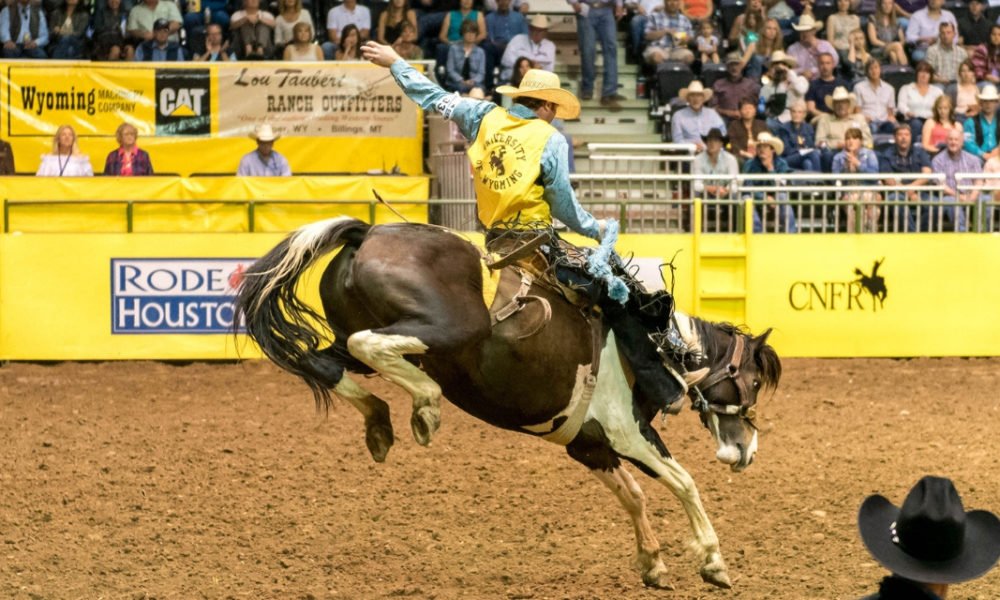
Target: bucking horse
[{"x": 406, "y": 301}]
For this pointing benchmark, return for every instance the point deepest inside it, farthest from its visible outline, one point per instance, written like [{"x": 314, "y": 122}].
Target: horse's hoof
[
  {"x": 425, "y": 421},
  {"x": 657, "y": 578},
  {"x": 379, "y": 438},
  {"x": 716, "y": 574}
]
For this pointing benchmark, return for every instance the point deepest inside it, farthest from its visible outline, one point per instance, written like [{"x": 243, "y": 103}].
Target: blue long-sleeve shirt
[
  {"x": 456, "y": 60},
  {"x": 10, "y": 12},
  {"x": 989, "y": 135},
  {"x": 468, "y": 113}
]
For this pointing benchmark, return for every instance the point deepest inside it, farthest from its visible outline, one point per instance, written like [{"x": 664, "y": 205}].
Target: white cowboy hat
[
  {"x": 779, "y": 56},
  {"x": 766, "y": 139},
  {"x": 989, "y": 92},
  {"x": 841, "y": 93},
  {"x": 696, "y": 87},
  {"x": 264, "y": 133},
  {"x": 807, "y": 23},
  {"x": 545, "y": 86},
  {"x": 539, "y": 22}
]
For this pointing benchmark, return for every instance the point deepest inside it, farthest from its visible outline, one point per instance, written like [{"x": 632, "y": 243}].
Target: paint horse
[{"x": 405, "y": 301}]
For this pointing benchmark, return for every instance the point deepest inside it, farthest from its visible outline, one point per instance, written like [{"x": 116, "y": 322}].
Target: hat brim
[
  {"x": 980, "y": 550},
  {"x": 988, "y": 98},
  {"x": 775, "y": 143},
  {"x": 684, "y": 93},
  {"x": 788, "y": 61},
  {"x": 567, "y": 104},
  {"x": 851, "y": 98},
  {"x": 254, "y": 137},
  {"x": 816, "y": 27}
]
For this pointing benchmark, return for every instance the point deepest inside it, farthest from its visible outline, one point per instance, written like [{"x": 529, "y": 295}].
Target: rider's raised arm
[
  {"x": 558, "y": 192},
  {"x": 467, "y": 113}
]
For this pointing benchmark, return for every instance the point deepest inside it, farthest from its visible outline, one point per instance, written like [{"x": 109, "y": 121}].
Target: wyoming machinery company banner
[{"x": 350, "y": 117}]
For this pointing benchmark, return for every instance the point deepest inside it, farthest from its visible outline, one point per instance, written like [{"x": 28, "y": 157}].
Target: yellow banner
[{"x": 195, "y": 118}]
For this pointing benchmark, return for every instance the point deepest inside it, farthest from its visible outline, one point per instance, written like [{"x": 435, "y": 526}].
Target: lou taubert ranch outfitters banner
[{"x": 335, "y": 117}]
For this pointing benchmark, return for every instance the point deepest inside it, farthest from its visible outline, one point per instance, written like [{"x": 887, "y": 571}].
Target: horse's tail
[{"x": 287, "y": 330}]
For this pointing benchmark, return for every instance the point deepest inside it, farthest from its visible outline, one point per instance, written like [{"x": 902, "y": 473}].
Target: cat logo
[{"x": 183, "y": 102}]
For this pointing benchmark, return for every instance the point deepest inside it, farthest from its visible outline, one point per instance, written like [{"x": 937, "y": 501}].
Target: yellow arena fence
[{"x": 70, "y": 295}]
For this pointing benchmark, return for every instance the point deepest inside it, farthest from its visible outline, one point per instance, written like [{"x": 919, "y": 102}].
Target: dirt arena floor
[{"x": 149, "y": 480}]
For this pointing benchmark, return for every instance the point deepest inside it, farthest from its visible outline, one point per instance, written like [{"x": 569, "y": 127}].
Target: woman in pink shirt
[{"x": 935, "y": 133}]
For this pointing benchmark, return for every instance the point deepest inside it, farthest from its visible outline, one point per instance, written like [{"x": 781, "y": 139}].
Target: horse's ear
[{"x": 761, "y": 339}]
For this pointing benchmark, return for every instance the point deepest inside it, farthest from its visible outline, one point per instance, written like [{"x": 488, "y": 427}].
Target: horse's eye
[{"x": 756, "y": 384}]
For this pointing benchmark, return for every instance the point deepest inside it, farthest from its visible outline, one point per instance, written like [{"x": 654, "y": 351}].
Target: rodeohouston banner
[{"x": 334, "y": 117}]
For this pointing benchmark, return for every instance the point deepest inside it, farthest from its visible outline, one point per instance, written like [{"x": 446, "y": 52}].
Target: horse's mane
[{"x": 765, "y": 358}]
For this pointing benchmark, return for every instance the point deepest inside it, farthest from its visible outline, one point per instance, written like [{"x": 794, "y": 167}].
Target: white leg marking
[
  {"x": 612, "y": 407},
  {"x": 628, "y": 492},
  {"x": 355, "y": 395},
  {"x": 384, "y": 353}
]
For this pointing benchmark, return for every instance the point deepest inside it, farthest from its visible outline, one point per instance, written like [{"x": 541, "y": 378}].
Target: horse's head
[{"x": 727, "y": 369}]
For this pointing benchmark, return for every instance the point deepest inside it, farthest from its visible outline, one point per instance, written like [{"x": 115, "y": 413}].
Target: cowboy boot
[{"x": 651, "y": 375}]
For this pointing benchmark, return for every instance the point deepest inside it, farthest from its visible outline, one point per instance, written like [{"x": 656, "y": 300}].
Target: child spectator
[{"x": 708, "y": 43}]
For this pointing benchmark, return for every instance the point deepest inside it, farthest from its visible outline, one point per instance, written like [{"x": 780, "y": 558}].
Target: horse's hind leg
[
  {"x": 378, "y": 425},
  {"x": 385, "y": 353}
]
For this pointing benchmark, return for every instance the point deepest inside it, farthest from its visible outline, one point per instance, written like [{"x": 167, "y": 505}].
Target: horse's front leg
[{"x": 628, "y": 492}]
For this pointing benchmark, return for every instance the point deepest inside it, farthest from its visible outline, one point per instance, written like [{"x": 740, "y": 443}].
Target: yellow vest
[{"x": 506, "y": 161}]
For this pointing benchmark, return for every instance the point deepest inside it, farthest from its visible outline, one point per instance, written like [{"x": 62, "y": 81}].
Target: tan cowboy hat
[
  {"x": 766, "y": 139},
  {"x": 807, "y": 23},
  {"x": 539, "y": 22},
  {"x": 841, "y": 93},
  {"x": 264, "y": 133},
  {"x": 696, "y": 87},
  {"x": 989, "y": 92},
  {"x": 780, "y": 57},
  {"x": 545, "y": 86}
]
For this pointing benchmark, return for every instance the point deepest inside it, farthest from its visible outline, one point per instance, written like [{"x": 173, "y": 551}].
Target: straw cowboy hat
[
  {"x": 989, "y": 92},
  {"x": 930, "y": 539},
  {"x": 766, "y": 139},
  {"x": 539, "y": 22},
  {"x": 545, "y": 86},
  {"x": 807, "y": 23},
  {"x": 841, "y": 93},
  {"x": 264, "y": 133},
  {"x": 696, "y": 87},
  {"x": 779, "y": 57}
]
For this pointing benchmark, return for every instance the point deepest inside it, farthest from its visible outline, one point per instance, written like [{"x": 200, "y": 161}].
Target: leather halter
[{"x": 745, "y": 408}]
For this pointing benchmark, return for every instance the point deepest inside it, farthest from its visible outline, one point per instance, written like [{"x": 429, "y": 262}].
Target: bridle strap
[{"x": 732, "y": 371}]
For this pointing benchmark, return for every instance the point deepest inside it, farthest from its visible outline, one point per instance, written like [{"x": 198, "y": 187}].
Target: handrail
[{"x": 662, "y": 146}]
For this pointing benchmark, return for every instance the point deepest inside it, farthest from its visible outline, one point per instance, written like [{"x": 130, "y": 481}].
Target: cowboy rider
[{"x": 533, "y": 186}]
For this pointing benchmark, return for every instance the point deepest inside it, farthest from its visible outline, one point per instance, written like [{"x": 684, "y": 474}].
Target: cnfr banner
[{"x": 334, "y": 117}]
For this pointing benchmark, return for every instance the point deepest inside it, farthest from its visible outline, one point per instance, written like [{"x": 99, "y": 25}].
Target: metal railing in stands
[
  {"x": 816, "y": 203},
  {"x": 616, "y": 158}
]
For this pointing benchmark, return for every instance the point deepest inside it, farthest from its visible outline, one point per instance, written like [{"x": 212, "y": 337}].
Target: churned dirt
[{"x": 149, "y": 480}]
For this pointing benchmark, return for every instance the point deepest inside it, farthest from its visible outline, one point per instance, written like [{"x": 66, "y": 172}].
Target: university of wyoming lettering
[{"x": 502, "y": 167}]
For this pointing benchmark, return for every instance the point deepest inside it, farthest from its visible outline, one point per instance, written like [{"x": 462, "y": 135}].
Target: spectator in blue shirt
[
  {"x": 501, "y": 27},
  {"x": 160, "y": 48},
  {"x": 776, "y": 210},
  {"x": 466, "y": 66},
  {"x": 23, "y": 30},
  {"x": 855, "y": 158},
  {"x": 800, "y": 140},
  {"x": 904, "y": 157},
  {"x": 981, "y": 130}
]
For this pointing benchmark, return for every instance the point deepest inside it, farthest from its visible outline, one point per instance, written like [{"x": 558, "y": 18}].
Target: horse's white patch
[
  {"x": 575, "y": 411},
  {"x": 384, "y": 353}
]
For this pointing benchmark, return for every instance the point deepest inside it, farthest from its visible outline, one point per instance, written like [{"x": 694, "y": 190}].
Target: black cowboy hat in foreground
[{"x": 930, "y": 539}]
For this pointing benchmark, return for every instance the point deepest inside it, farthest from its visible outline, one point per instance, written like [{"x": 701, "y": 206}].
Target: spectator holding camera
[{"x": 782, "y": 88}]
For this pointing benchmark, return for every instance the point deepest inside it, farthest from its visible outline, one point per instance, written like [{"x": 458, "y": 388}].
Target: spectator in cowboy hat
[
  {"x": 769, "y": 162},
  {"x": 981, "y": 129},
  {"x": 691, "y": 123},
  {"x": 929, "y": 543},
  {"x": 533, "y": 45},
  {"x": 714, "y": 160},
  {"x": 831, "y": 128},
  {"x": 729, "y": 90},
  {"x": 264, "y": 161},
  {"x": 782, "y": 88},
  {"x": 809, "y": 47}
]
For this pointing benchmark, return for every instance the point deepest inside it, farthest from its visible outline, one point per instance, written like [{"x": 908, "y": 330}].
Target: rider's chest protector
[{"x": 506, "y": 162}]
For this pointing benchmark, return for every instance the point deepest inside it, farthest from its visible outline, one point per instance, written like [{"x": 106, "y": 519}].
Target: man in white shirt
[
  {"x": 924, "y": 25},
  {"x": 533, "y": 45},
  {"x": 348, "y": 13}
]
